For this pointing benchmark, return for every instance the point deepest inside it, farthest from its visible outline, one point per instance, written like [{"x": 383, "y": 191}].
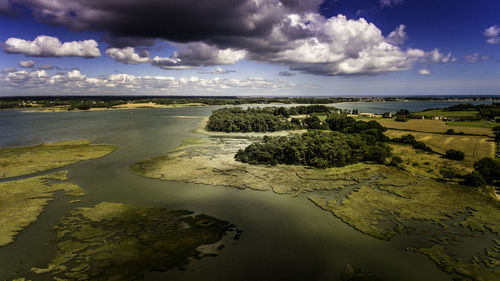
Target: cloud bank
[
  {"x": 48, "y": 46},
  {"x": 75, "y": 82},
  {"x": 223, "y": 32}
]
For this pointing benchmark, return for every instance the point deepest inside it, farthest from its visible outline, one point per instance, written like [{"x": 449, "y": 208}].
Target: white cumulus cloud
[
  {"x": 27, "y": 63},
  {"x": 492, "y": 34},
  {"x": 128, "y": 55},
  {"x": 424, "y": 71},
  {"x": 389, "y": 3},
  {"x": 340, "y": 46},
  {"x": 475, "y": 57},
  {"x": 398, "y": 36},
  {"x": 48, "y": 46}
]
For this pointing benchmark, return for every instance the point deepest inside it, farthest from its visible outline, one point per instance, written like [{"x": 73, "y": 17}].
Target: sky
[{"x": 250, "y": 47}]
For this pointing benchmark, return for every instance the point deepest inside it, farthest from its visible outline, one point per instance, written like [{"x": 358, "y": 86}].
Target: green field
[
  {"x": 430, "y": 126},
  {"x": 474, "y": 147},
  {"x": 18, "y": 161},
  {"x": 477, "y": 124},
  {"x": 440, "y": 112}
]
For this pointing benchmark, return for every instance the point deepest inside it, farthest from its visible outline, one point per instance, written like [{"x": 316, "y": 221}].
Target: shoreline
[
  {"x": 149, "y": 105},
  {"x": 65, "y": 108}
]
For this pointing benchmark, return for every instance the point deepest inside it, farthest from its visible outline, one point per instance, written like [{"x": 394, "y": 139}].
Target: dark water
[{"x": 285, "y": 238}]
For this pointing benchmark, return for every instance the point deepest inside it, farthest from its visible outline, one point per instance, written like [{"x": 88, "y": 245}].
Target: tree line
[
  {"x": 346, "y": 142},
  {"x": 265, "y": 119}
]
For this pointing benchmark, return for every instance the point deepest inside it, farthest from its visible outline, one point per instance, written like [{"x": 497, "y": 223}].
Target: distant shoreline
[{"x": 79, "y": 104}]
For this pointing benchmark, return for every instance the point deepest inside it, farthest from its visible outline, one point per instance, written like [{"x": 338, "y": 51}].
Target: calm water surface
[{"x": 285, "y": 238}]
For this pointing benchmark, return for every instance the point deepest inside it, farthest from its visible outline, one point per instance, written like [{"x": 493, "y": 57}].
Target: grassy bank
[
  {"x": 22, "y": 201},
  {"x": 17, "y": 161}
]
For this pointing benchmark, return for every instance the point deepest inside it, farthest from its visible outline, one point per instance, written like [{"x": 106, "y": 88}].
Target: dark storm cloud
[
  {"x": 180, "y": 21},
  {"x": 124, "y": 41}
]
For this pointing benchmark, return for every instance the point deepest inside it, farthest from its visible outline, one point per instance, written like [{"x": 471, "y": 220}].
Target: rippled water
[{"x": 285, "y": 238}]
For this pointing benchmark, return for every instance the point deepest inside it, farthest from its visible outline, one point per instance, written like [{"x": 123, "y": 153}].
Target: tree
[
  {"x": 396, "y": 161},
  {"x": 474, "y": 179},
  {"x": 455, "y": 155},
  {"x": 488, "y": 168},
  {"x": 403, "y": 112},
  {"x": 496, "y": 131},
  {"x": 320, "y": 149},
  {"x": 313, "y": 122}
]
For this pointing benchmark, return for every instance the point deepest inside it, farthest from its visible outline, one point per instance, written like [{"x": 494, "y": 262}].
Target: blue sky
[{"x": 249, "y": 47}]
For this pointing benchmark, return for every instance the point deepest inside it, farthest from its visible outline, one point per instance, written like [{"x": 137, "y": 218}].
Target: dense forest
[
  {"x": 315, "y": 148},
  {"x": 266, "y": 119},
  {"x": 346, "y": 142}
]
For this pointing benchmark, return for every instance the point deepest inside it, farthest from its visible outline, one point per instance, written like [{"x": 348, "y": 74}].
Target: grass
[
  {"x": 18, "y": 161},
  {"x": 113, "y": 241},
  {"x": 476, "y": 124},
  {"x": 474, "y": 147},
  {"x": 429, "y": 165},
  {"x": 22, "y": 201},
  {"x": 211, "y": 161},
  {"x": 411, "y": 198},
  {"x": 439, "y": 112},
  {"x": 429, "y": 126},
  {"x": 473, "y": 271}
]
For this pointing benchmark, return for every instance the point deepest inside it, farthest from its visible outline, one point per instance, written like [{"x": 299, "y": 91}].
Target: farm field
[
  {"x": 440, "y": 112},
  {"x": 474, "y": 147},
  {"x": 477, "y": 124},
  {"x": 431, "y": 126},
  {"x": 430, "y": 165}
]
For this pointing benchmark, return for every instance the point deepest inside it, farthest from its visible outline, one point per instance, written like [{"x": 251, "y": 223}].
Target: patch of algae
[
  {"x": 472, "y": 271},
  {"x": 113, "y": 241},
  {"x": 22, "y": 201},
  {"x": 211, "y": 161},
  {"x": 17, "y": 161},
  {"x": 382, "y": 208},
  {"x": 406, "y": 197}
]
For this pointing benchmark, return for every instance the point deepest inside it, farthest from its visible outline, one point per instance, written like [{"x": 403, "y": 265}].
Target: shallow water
[{"x": 284, "y": 238}]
